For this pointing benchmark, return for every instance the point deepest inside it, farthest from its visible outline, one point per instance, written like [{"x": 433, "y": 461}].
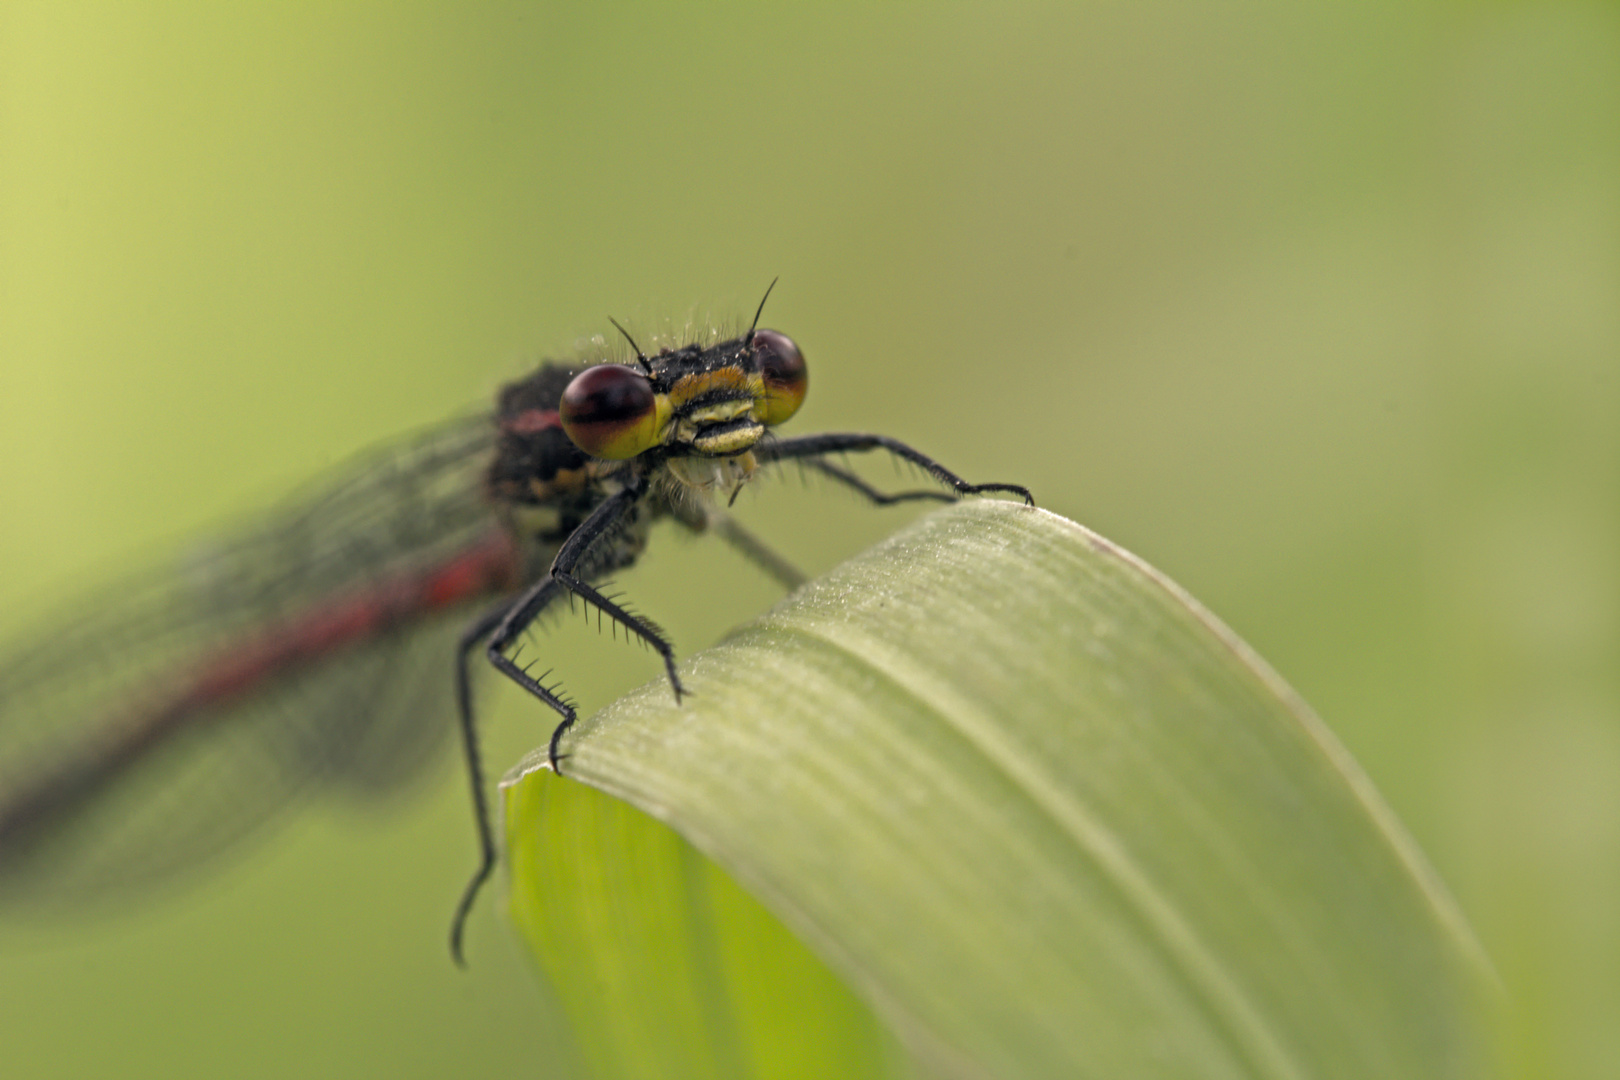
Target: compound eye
[
  {"x": 610, "y": 411},
  {"x": 781, "y": 366}
]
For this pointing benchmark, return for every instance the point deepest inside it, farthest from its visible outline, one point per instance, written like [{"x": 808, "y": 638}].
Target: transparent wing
[{"x": 160, "y": 722}]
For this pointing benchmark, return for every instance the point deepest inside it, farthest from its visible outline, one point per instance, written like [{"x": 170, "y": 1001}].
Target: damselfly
[{"x": 176, "y": 710}]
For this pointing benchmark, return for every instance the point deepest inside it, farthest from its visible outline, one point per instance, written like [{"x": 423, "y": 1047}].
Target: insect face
[{"x": 691, "y": 402}]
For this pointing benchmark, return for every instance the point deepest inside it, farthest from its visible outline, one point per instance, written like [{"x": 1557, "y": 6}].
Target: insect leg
[
  {"x": 878, "y": 498},
  {"x": 753, "y": 548},
  {"x": 514, "y": 621},
  {"x": 813, "y": 446},
  {"x": 575, "y": 551},
  {"x": 560, "y": 580},
  {"x": 470, "y": 638},
  {"x": 639, "y": 625}
]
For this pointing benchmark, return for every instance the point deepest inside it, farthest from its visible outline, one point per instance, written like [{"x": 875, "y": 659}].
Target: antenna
[
  {"x": 641, "y": 357},
  {"x": 751, "y": 326}
]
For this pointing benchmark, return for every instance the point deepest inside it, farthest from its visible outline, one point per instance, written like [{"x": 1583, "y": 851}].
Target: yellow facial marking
[
  {"x": 725, "y": 443},
  {"x": 720, "y": 412},
  {"x": 688, "y": 387}
]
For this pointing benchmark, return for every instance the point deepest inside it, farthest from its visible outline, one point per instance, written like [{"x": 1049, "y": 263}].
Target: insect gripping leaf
[{"x": 1040, "y": 811}]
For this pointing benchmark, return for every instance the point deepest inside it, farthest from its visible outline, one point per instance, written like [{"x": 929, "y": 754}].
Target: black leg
[
  {"x": 516, "y": 620},
  {"x": 878, "y": 498},
  {"x": 752, "y": 548},
  {"x": 475, "y": 633},
  {"x": 638, "y": 625},
  {"x": 561, "y": 580},
  {"x": 813, "y": 446},
  {"x": 574, "y": 551}
]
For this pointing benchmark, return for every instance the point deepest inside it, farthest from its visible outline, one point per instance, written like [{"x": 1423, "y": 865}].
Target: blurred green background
[{"x": 1316, "y": 309}]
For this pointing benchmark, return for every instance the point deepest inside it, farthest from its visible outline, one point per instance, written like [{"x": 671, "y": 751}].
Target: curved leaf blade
[{"x": 1049, "y": 818}]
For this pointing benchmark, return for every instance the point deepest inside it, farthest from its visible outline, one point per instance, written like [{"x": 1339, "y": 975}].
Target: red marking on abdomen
[{"x": 490, "y": 565}]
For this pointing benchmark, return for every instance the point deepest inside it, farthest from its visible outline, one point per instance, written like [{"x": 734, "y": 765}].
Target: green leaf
[{"x": 1036, "y": 807}]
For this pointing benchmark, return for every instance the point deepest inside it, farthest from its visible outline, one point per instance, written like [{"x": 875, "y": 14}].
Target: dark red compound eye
[
  {"x": 781, "y": 366},
  {"x": 610, "y": 411}
]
